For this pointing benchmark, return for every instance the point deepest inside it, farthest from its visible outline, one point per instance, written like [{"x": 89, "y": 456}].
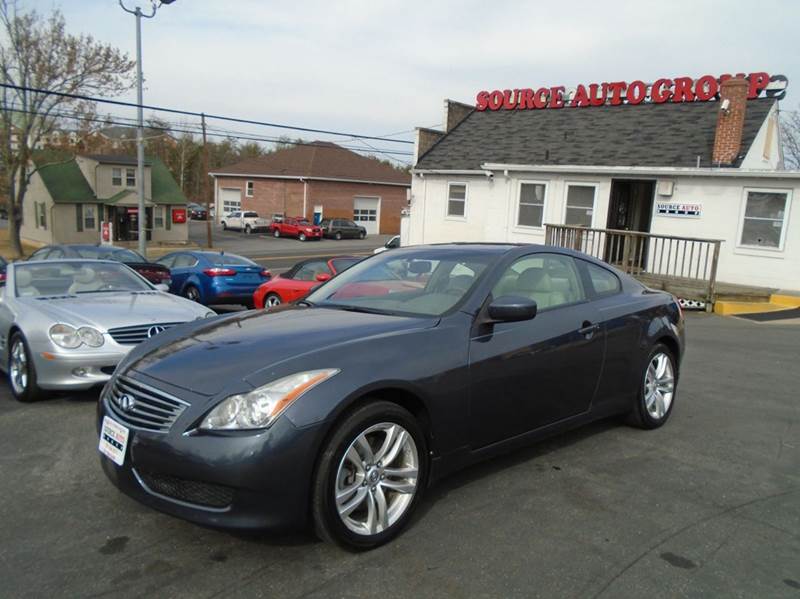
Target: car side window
[
  {"x": 551, "y": 280},
  {"x": 167, "y": 261},
  {"x": 56, "y": 254},
  {"x": 40, "y": 254},
  {"x": 349, "y": 223},
  {"x": 604, "y": 281},
  {"x": 310, "y": 270},
  {"x": 185, "y": 261}
]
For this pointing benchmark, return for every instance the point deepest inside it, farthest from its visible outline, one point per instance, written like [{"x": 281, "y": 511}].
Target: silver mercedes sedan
[{"x": 67, "y": 324}]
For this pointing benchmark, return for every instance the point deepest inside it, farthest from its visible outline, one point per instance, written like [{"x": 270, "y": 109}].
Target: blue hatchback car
[{"x": 214, "y": 277}]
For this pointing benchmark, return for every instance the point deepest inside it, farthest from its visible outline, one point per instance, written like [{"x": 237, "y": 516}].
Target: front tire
[
  {"x": 21, "y": 370},
  {"x": 272, "y": 300},
  {"x": 657, "y": 386},
  {"x": 338, "y": 236},
  {"x": 276, "y": 233},
  {"x": 362, "y": 235},
  {"x": 302, "y": 237},
  {"x": 247, "y": 230},
  {"x": 370, "y": 477},
  {"x": 224, "y": 226}
]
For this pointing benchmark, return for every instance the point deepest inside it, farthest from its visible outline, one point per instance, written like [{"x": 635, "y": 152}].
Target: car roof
[{"x": 51, "y": 262}]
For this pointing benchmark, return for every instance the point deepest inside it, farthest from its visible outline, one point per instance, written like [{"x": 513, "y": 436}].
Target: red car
[
  {"x": 299, "y": 280},
  {"x": 296, "y": 227}
]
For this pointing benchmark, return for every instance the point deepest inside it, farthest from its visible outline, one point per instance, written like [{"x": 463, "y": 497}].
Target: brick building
[{"x": 317, "y": 180}]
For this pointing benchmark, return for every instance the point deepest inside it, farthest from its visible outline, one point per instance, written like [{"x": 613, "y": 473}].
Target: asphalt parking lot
[{"x": 708, "y": 505}]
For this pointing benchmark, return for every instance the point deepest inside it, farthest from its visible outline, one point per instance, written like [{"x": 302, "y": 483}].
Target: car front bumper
[
  {"x": 254, "y": 480},
  {"x": 77, "y": 370}
]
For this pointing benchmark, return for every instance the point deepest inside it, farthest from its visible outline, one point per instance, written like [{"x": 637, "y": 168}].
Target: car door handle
[{"x": 588, "y": 329}]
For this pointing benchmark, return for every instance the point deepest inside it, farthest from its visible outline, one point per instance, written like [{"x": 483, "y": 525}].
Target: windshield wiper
[{"x": 364, "y": 309}]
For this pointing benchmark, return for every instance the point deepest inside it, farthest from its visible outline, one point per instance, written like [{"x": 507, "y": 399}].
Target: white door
[
  {"x": 367, "y": 212},
  {"x": 230, "y": 200}
]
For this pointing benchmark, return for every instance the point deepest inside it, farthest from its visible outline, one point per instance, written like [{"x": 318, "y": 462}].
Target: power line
[
  {"x": 200, "y": 115},
  {"x": 220, "y": 133}
]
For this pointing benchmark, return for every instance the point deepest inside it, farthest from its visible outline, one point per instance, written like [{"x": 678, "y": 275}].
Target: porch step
[{"x": 729, "y": 307}]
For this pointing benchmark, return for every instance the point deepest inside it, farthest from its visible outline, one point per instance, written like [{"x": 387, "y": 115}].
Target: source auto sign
[{"x": 677, "y": 90}]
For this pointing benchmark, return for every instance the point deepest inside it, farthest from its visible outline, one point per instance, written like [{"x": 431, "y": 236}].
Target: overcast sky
[{"x": 379, "y": 67}]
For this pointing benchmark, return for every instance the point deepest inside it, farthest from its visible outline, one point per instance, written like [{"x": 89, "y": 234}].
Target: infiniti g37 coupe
[{"x": 342, "y": 408}]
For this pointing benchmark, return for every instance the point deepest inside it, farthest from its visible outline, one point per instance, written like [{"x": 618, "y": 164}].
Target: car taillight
[
  {"x": 266, "y": 274},
  {"x": 219, "y": 272},
  {"x": 2, "y": 276}
]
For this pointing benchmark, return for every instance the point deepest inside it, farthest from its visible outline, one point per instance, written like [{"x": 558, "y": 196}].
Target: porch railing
[{"x": 690, "y": 262}]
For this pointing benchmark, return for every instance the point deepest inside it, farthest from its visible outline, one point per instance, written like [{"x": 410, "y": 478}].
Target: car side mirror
[
  {"x": 510, "y": 308},
  {"x": 322, "y": 277},
  {"x": 162, "y": 287}
]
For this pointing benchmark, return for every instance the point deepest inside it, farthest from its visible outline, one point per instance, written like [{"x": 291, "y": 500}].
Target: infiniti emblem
[
  {"x": 126, "y": 402},
  {"x": 155, "y": 330}
]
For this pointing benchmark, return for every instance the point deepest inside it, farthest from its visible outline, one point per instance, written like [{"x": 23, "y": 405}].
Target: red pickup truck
[{"x": 295, "y": 227}]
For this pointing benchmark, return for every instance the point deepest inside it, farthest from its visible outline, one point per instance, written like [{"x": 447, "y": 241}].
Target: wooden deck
[{"x": 697, "y": 290}]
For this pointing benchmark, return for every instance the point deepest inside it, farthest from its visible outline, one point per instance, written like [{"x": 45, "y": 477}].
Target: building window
[
  {"x": 159, "y": 217},
  {"x": 249, "y": 192},
  {"x": 41, "y": 215},
  {"x": 531, "y": 204},
  {"x": 457, "y": 200},
  {"x": 116, "y": 177},
  {"x": 89, "y": 217},
  {"x": 580, "y": 205},
  {"x": 130, "y": 177},
  {"x": 764, "y": 221}
]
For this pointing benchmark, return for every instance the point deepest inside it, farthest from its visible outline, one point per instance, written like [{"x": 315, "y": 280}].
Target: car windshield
[
  {"x": 100, "y": 253},
  {"x": 229, "y": 260},
  {"x": 422, "y": 283},
  {"x": 342, "y": 264},
  {"x": 75, "y": 277}
]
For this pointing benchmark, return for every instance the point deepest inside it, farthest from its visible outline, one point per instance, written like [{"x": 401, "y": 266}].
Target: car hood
[
  {"x": 110, "y": 310},
  {"x": 211, "y": 356}
]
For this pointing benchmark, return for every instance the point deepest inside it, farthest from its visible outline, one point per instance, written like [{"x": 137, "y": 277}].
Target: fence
[{"x": 688, "y": 261}]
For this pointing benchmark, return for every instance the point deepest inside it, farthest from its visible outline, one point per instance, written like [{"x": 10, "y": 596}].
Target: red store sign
[
  {"x": 179, "y": 215},
  {"x": 679, "y": 89}
]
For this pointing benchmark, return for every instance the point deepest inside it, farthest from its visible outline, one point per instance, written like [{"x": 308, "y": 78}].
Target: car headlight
[
  {"x": 91, "y": 337},
  {"x": 259, "y": 408},
  {"x": 65, "y": 336},
  {"x": 70, "y": 338}
]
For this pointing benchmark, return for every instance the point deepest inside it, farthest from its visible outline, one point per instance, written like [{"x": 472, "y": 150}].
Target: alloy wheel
[
  {"x": 272, "y": 300},
  {"x": 302, "y": 236},
  {"x": 193, "y": 294},
  {"x": 18, "y": 368},
  {"x": 659, "y": 385},
  {"x": 276, "y": 233},
  {"x": 377, "y": 478}
]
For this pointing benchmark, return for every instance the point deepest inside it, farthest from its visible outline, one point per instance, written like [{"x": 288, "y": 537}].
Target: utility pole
[
  {"x": 141, "y": 216},
  {"x": 205, "y": 183}
]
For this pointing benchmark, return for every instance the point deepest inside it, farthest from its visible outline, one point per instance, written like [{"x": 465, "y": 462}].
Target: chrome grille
[
  {"x": 143, "y": 407},
  {"x": 134, "y": 335}
]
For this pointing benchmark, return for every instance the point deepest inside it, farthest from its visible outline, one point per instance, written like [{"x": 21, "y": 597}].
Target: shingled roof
[
  {"x": 668, "y": 135},
  {"x": 318, "y": 160}
]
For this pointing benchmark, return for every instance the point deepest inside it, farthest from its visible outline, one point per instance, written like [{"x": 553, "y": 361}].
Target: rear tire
[
  {"x": 657, "y": 388},
  {"x": 192, "y": 293},
  {"x": 224, "y": 226},
  {"x": 21, "y": 370},
  {"x": 358, "y": 501}
]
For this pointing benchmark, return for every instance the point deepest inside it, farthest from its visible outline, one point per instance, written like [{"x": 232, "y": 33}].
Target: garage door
[
  {"x": 230, "y": 199},
  {"x": 366, "y": 212}
]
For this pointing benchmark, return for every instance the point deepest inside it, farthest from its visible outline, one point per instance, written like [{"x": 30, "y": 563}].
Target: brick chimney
[
  {"x": 730, "y": 122},
  {"x": 425, "y": 140},
  {"x": 454, "y": 113}
]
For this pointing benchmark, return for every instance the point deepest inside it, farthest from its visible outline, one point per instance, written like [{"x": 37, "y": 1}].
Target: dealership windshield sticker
[
  {"x": 677, "y": 90},
  {"x": 675, "y": 209}
]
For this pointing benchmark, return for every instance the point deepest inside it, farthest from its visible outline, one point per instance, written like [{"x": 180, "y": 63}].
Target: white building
[{"x": 700, "y": 169}]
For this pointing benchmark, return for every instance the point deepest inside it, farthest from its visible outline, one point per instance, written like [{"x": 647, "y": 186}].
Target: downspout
[{"x": 305, "y": 196}]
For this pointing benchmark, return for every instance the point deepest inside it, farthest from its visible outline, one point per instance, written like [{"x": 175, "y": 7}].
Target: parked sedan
[
  {"x": 295, "y": 227},
  {"x": 345, "y": 406},
  {"x": 341, "y": 228},
  {"x": 152, "y": 271},
  {"x": 213, "y": 278},
  {"x": 197, "y": 212},
  {"x": 66, "y": 324},
  {"x": 299, "y": 280}
]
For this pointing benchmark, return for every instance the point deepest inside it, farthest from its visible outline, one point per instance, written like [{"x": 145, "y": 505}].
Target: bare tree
[
  {"x": 790, "y": 136},
  {"x": 37, "y": 53}
]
